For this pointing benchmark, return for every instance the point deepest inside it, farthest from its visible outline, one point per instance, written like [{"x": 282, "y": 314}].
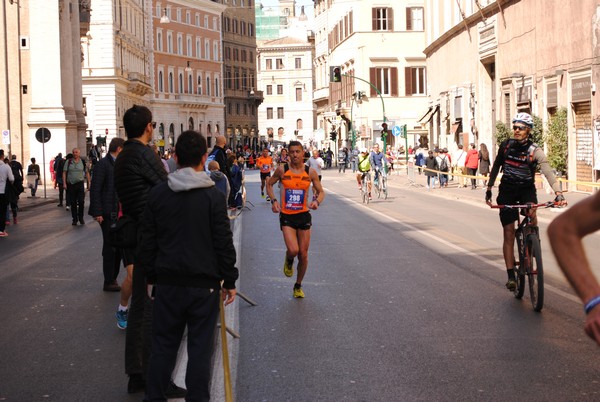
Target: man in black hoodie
[{"x": 186, "y": 249}]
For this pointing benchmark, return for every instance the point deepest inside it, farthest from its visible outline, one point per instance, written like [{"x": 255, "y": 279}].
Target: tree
[
  {"x": 556, "y": 139},
  {"x": 504, "y": 131}
]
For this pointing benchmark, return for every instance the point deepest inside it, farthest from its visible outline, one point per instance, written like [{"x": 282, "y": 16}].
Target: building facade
[
  {"x": 188, "y": 70},
  {"x": 508, "y": 56},
  {"x": 242, "y": 96},
  {"x": 41, "y": 91},
  {"x": 378, "y": 47},
  {"x": 286, "y": 79}
]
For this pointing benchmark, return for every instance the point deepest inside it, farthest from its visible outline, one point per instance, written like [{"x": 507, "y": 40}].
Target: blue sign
[{"x": 396, "y": 130}]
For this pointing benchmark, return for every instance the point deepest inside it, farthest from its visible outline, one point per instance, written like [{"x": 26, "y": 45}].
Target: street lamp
[{"x": 165, "y": 18}]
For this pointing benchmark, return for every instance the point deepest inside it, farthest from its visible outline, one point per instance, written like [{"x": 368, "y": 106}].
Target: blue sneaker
[{"x": 121, "y": 318}]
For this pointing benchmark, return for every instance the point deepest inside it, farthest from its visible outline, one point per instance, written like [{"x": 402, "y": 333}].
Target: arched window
[
  {"x": 160, "y": 81},
  {"x": 207, "y": 89},
  {"x": 191, "y": 124},
  {"x": 216, "y": 87},
  {"x": 299, "y": 124},
  {"x": 199, "y": 84},
  {"x": 171, "y": 82},
  {"x": 171, "y": 134},
  {"x": 180, "y": 83},
  {"x": 190, "y": 84}
]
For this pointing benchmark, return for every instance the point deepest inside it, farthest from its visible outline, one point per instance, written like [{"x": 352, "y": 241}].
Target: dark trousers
[
  {"x": 111, "y": 257},
  {"x": 138, "y": 336},
  {"x": 77, "y": 199},
  {"x": 472, "y": 172},
  {"x": 3, "y": 209},
  {"x": 174, "y": 307},
  {"x": 61, "y": 191}
]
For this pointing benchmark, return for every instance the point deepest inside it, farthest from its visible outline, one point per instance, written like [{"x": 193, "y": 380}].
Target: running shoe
[
  {"x": 268, "y": 198},
  {"x": 262, "y": 194},
  {"x": 298, "y": 292},
  {"x": 288, "y": 267},
  {"x": 121, "y": 318},
  {"x": 511, "y": 285},
  {"x": 370, "y": 198}
]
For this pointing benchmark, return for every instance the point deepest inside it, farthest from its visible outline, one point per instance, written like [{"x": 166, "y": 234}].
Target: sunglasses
[{"x": 520, "y": 128}]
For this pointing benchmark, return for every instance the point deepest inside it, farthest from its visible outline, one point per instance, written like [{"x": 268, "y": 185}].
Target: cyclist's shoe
[
  {"x": 298, "y": 292},
  {"x": 121, "y": 319},
  {"x": 288, "y": 267},
  {"x": 511, "y": 285}
]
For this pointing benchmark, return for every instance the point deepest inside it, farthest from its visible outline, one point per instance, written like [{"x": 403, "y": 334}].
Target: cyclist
[
  {"x": 518, "y": 157},
  {"x": 364, "y": 168},
  {"x": 377, "y": 159}
]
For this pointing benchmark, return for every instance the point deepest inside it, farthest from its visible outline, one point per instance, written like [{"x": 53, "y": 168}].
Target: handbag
[{"x": 122, "y": 232}]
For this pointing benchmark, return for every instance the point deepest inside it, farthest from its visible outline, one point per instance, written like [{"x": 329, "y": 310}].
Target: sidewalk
[{"x": 27, "y": 202}]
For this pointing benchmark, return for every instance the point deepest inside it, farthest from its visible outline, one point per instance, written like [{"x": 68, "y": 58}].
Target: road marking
[{"x": 446, "y": 243}]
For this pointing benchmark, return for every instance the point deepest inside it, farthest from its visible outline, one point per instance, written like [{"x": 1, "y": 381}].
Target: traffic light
[
  {"x": 384, "y": 129},
  {"x": 101, "y": 141},
  {"x": 335, "y": 74},
  {"x": 333, "y": 135}
]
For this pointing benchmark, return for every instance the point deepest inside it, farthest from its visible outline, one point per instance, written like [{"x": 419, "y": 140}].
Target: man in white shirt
[
  {"x": 316, "y": 162},
  {"x": 458, "y": 165},
  {"x": 6, "y": 175}
]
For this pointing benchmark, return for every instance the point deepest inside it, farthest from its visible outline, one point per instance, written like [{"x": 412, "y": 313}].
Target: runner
[
  {"x": 294, "y": 217},
  {"x": 265, "y": 164}
]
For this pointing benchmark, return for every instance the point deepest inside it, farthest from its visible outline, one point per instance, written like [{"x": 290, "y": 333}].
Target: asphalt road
[{"x": 404, "y": 301}]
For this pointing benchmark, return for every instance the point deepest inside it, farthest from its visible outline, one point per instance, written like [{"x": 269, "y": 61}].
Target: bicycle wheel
[
  {"x": 521, "y": 267},
  {"x": 535, "y": 272},
  {"x": 377, "y": 186},
  {"x": 385, "y": 190}
]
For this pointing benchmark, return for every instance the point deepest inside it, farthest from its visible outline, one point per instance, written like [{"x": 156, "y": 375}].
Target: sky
[{"x": 308, "y": 5}]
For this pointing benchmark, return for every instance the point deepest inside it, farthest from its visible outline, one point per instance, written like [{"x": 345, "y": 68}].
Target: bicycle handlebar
[{"x": 529, "y": 205}]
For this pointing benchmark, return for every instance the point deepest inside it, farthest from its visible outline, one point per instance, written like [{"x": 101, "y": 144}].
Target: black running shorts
[
  {"x": 511, "y": 195},
  {"x": 264, "y": 176},
  {"x": 301, "y": 221}
]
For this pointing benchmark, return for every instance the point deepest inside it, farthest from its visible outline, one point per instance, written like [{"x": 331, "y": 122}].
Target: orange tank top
[{"x": 294, "y": 190}]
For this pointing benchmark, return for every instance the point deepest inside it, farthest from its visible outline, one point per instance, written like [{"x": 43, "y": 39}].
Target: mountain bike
[
  {"x": 364, "y": 189},
  {"x": 381, "y": 185},
  {"x": 530, "y": 265}
]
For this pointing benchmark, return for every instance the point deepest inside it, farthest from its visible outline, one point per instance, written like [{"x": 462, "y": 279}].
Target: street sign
[
  {"x": 42, "y": 135},
  {"x": 6, "y": 137},
  {"x": 396, "y": 130}
]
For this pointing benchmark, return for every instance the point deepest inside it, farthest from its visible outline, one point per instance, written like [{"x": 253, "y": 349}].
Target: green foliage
[
  {"x": 556, "y": 139},
  {"x": 503, "y": 132}
]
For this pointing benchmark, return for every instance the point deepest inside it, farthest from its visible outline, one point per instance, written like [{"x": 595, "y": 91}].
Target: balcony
[
  {"x": 256, "y": 97},
  {"x": 138, "y": 84}
]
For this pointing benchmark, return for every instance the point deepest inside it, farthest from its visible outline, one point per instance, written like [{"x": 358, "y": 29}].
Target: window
[
  {"x": 217, "y": 87},
  {"x": 269, "y": 113},
  {"x": 298, "y": 63},
  {"x": 235, "y": 26},
  {"x": 190, "y": 84},
  {"x": 269, "y": 89},
  {"x": 159, "y": 44},
  {"x": 244, "y": 59},
  {"x": 215, "y": 51},
  {"x": 178, "y": 15},
  {"x": 251, "y": 30},
  {"x": 171, "y": 86},
  {"x": 298, "y": 94},
  {"x": 208, "y": 85},
  {"x": 383, "y": 19},
  {"x": 206, "y": 49},
  {"x": 215, "y": 25},
  {"x": 237, "y": 109},
  {"x": 179, "y": 44},
  {"x": 160, "y": 81},
  {"x": 199, "y": 84},
  {"x": 245, "y": 110},
  {"x": 415, "y": 80},
  {"x": 180, "y": 83},
  {"x": 279, "y": 89},
  {"x": 206, "y": 21},
  {"x": 188, "y": 17},
  {"x": 198, "y": 20},
  {"x": 229, "y": 108},
  {"x": 280, "y": 113},
  {"x": 269, "y": 65},
  {"x": 279, "y": 64},
  {"x": 385, "y": 79},
  {"x": 243, "y": 28},
  {"x": 414, "y": 19},
  {"x": 189, "y": 46},
  {"x": 198, "y": 49},
  {"x": 169, "y": 42}
]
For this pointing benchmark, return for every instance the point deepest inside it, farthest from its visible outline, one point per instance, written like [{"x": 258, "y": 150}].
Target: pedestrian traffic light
[
  {"x": 384, "y": 129},
  {"x": 333, "y": 135},
  {"x": 335, "y": 74}
]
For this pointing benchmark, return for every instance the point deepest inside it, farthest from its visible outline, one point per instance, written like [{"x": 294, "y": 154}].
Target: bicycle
[
  {"x": 529, "y": 249},
  {"x": 381, "y": 185},
  {"x": 364, "y": 189}
]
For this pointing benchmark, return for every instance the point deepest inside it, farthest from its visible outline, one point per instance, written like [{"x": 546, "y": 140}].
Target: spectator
[
  {"x": 104, "y": 207},
  {"x": 237, "y": 177},
  {"x": 443, "y": 160},
  {"x": 6, "y": 178},
  {"x": 74, "y": 174},
  {"x": 471, "y": 163},
  {"x": 186, "y": 256},
  {"x": 17, "y": 170},
  {"x": 33, "y": 176},
  {"x": 219, "y": 178},
  {"x": 484, "y": 162},
  {"x": 432, "y": 169},
  {"x": 458, "y": 166},
  {"x": 59, "y": 164},
  {"x": 315, "y": 162}
]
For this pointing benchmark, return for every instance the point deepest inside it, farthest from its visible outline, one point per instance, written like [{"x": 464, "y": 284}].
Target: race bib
[
  {"x": 294, "y": 199},
  {"x": 266, "y": 168}
]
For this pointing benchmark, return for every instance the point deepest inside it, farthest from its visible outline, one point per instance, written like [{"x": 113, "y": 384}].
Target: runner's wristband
[
  {"x": 591, "y": 304},
  {"x": 273, "y": 200}
]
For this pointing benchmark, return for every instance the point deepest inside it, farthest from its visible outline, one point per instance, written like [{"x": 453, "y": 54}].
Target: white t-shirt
[{"x": 316, "y": 164}]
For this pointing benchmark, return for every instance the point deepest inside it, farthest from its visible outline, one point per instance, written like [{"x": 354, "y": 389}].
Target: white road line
[{"x": 416, "y": 230}]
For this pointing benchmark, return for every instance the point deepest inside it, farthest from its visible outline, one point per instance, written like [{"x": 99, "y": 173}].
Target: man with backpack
[
  {"x": 444, "y": 163},
  {"x": 519, "y": 158},
  {"x": 74, "y": 174}
]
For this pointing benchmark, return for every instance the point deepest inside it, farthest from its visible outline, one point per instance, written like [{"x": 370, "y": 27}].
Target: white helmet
[
  {"x": 524, "y": 118},
  {"x": 363, "y": 149}
]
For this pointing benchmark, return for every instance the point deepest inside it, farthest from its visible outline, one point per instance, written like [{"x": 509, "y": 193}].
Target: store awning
[{"x": 427, "y": 116}]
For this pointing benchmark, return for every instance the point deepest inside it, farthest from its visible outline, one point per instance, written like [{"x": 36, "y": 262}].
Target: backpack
[
  {"x": 530, "y": 151},
  {"x": 444, "y": 164}
]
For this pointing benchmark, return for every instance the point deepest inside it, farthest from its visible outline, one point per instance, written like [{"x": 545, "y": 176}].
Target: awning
[
  {"x": 427, "y": 116},
  {"x": 455, "y": 127}
]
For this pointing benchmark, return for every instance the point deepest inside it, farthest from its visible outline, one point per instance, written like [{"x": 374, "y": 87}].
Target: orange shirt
[
  {"x": 265, "y": 163},
  {"x": 294, "y": 191}
]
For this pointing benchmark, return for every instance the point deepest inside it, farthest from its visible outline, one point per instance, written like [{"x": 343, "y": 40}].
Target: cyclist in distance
[
  {"x": 377, "y": 159},
  {"x": 519, "y": 157},
  {"x": 364, "y": 167}
]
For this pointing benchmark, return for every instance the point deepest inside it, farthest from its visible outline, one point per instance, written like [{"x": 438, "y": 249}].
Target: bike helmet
[
  {"x": 363, "y": 149},
  {"x": 524, "y": 118}
]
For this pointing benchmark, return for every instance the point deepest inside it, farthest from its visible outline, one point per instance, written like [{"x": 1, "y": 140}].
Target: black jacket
[
  {"x": 103, "y": 197},
  {"x": 186, "y": 239},
  {"x": 137, "y": 169}
]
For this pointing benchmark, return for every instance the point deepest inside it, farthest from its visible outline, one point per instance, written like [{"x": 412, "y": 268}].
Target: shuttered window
[
  {"x": 385, "y": 79},
  {"x": 383, "y": 19}
]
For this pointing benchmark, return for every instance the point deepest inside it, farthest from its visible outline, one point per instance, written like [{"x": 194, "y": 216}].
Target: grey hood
[
  {"x": 216, "y": 175},
  {"x": 187, "y": 179}
]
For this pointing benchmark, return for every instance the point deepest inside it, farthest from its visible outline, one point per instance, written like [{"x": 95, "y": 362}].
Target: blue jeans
[{"x": 431, "y": 181}]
